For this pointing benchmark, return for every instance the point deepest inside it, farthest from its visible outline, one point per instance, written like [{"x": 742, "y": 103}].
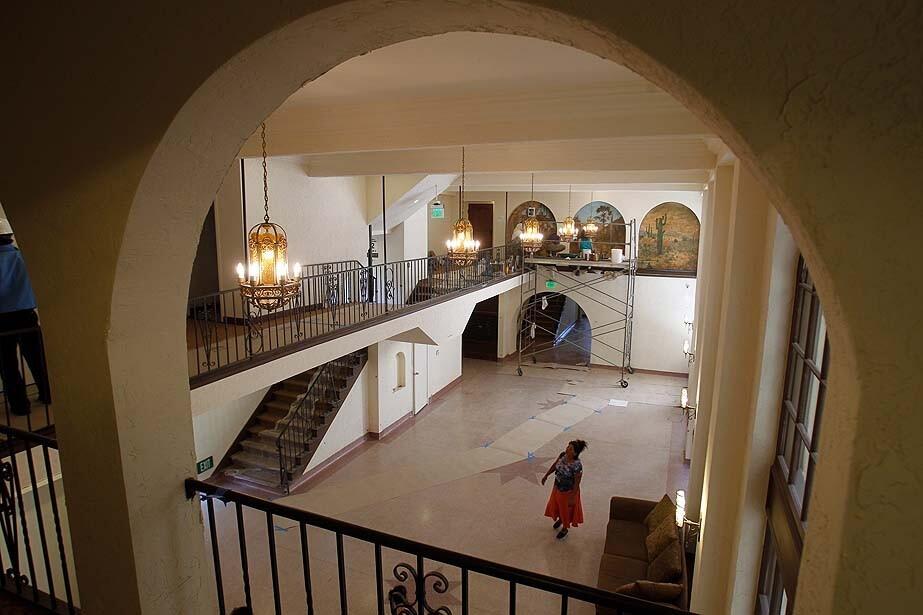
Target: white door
[{"x": 420, "y": 377}]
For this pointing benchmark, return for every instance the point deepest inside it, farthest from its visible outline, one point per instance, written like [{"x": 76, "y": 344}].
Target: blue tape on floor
[{"x": 531, "y": 455}]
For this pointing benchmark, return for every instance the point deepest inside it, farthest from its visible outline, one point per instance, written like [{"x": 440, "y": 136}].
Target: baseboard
[
  {"x": 390, "y": 429},
  {"x": 655, "y": 372}
]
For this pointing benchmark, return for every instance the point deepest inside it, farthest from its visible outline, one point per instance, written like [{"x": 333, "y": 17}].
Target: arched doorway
[
  {"x": 173, "y": 159},
  {"x": 556, "y": 331}
]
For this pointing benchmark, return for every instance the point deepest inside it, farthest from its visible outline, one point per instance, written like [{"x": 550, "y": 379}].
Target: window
[
  {"x": 401, "y": 363},
  {"x": 796, "y": 452},
  {"x": 804, "y": 393}
]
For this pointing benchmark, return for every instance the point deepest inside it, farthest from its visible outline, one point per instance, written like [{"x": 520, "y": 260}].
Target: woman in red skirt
[{"x": 564, "y": 504}]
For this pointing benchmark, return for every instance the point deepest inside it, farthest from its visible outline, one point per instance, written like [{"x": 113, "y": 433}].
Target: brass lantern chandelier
[
  {"x": 462, "y": 248},
  {"x": 591, "y": 228},
  {"x": 532, "y": 236},
  {"x": 569, "y": 227},
  {"x": 268, "y": 283}
]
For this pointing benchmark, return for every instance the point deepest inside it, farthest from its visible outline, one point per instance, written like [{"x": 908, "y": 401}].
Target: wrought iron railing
[
  {"x": 25, "y": 394},
  {"x": 321, "y": 397},
  {"x": 34, "y": 555},
  {"x": 419, "y": 584},
  {"x": 226, "y": 334}
]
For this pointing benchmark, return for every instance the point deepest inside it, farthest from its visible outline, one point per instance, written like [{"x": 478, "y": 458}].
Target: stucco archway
[{"x": 155, "y": 164}]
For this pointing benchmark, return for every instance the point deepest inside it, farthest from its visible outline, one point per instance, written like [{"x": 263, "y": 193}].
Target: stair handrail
[{"x": 297, "y": 415}]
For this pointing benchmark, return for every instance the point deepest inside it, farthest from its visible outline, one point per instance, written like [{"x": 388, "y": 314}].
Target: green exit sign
[
  {"x": 438, "y": 212},
  {"x": 205, "y": 465},
  {"x": 551, "y": 284}
]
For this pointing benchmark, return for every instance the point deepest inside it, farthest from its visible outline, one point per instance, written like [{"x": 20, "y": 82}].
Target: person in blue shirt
[{"x": 19, "y": 329}]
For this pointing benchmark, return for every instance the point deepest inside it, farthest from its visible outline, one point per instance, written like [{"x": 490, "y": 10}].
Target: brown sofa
[{"x": 625, "y": 557}]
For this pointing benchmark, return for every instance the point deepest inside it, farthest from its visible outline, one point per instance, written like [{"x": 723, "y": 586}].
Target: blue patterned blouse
[{"x": 565, "y": 474}]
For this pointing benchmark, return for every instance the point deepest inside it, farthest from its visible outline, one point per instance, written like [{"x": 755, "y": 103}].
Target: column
[
  {"x": 718, "y": 221},
  {"x": 738, "y": 363}
]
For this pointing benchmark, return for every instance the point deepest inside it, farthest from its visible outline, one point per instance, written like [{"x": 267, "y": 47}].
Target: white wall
[
  {"x": 445, "y": 363},
  {"x": 387, "y": 403},
  {"x": 216, "y": 428},
  {"x": 350, "y": 423},
  {"x": 324, "y": 217},
  {"x": 661, "y": 304}
]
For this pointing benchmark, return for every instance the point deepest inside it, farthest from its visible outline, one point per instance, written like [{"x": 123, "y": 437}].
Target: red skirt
[{"x": 571, "y": 515}]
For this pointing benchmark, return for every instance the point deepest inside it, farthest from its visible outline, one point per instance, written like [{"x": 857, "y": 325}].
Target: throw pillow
[
  {"x": 668, "y": 566},
  {"x": 629, "y": 589},
  {"x": 658, "y": 592},
  {"x": 658, "y": 539},
  {"x": 665, "y": 508}
]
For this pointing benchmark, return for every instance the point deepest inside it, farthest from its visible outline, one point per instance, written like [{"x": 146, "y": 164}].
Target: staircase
[{"x": 291, "y": 421}]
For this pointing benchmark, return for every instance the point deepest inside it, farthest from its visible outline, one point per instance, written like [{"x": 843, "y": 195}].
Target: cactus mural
[
  {"x": 661, "y": 229},
  {"x": 669, "y": 241}
]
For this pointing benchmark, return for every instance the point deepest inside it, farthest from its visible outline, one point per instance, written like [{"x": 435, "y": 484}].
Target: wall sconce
[
  {"x": 687, "y": 350},
  {"x": 684, "y": 404},
  {"x": 690, "y": 528}
]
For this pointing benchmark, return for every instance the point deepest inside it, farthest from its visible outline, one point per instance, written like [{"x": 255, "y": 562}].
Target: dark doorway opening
[
  {"x": 481, "y": 216},
  {"x": 479, "y": 341}
]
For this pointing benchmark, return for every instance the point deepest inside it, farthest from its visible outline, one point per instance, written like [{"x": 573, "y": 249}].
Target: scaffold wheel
[{"x": 624, "y": 384}]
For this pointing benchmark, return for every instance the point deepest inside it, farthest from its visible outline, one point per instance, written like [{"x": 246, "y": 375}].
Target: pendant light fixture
[
  {"x": 531, "y": 230},
  {"x": 462, "y": 248},
  {"x": 268, "y": 283},
  {"x": 568, "y": 228},
  {"x": 591, "y": 228}
]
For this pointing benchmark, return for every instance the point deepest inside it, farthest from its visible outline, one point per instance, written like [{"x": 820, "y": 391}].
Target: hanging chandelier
[
  {"x": 268, "y": 283},
  {"x": 591, "y": 228},
  {"x": 568, "y": 228},
  {"x": 532, "y": 236},
  {"x": 462, "y": 248}
]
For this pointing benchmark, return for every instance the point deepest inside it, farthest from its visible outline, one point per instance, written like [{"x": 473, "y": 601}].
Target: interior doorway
[
  {"x": 481, "y": 216},
  {"x": 420, "y": 377}
]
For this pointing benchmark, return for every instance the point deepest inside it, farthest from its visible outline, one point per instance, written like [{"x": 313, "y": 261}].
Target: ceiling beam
[
  {"x": 518, "y": 115},
  {"x": 623, "y": 154}
]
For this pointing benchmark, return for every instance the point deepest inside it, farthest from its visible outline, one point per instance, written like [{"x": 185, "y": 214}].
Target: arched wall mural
[
  {"x": 668, "y": 241},
  {"x": 611, "y": 231},
  {"x": 545, "y": 216}
]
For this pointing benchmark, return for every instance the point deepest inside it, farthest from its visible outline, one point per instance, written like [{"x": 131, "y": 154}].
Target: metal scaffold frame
[{"x": 619, "y": 305}]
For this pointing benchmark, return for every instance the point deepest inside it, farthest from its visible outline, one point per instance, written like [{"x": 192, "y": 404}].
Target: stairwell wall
[
  {"x": 350, "y": 424},
  {"x": 216, "y": 427}
]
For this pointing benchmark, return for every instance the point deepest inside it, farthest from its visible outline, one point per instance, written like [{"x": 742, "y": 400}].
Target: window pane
[
  {"x": 789, "y": 444},
  {"x": 804, "y": 318},
  {"x": 799, "y": 472},
  {"x": 795, "y": 384},
  {"x": 820, "y": 338},
  {"x": 810, "y": 410}
]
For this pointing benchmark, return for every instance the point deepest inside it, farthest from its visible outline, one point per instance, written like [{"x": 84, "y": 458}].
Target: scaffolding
[{"x": 571, "y": 276}]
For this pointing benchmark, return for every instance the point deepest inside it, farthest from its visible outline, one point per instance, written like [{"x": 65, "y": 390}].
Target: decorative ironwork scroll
[
  {"x": 8, "y": 523},
  {"x": 403, "y": 602},
  {"x": 332, "y": 297}
]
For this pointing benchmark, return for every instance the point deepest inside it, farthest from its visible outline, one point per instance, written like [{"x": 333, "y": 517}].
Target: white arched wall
[{"x": 110, "y": 234}]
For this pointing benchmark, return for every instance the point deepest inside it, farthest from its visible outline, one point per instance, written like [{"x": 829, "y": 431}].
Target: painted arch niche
[
  {"x": 668, "y": 241},
  {"x": 611, "y": 233},
  {"x": 545, "y": 216}
]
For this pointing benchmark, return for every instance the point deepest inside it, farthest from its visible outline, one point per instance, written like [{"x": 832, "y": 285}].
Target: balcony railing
[
  {"x": 421, "y": 579},
  {"x": 226, "y": 334},
  {"x": 35, "y": 554}
]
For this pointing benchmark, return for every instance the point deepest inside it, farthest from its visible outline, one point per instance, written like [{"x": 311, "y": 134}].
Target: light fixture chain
[{"x": 265, "y": 174}]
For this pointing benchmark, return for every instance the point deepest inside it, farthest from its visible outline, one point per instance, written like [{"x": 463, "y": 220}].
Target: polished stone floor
[{"x": 465, "y": 476}]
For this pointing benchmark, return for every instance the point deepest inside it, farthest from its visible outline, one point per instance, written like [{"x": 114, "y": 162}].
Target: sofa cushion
[
  {"x": 616, "y": 570},
  {"x": 626, "y": 538},
  {"x": 664, "y": 508},
  {"x": 668, "y": 566},
  {"x": 658, "y": 592},
  {"x": 660, "y": 537}
]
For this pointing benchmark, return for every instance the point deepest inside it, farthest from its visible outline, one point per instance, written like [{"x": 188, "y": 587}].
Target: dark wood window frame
[{"x": 792, "y": 475}]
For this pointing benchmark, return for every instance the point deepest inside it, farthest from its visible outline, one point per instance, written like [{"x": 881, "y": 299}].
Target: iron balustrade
[
  {"x": 321, "y": 397},
  {"x": 40, "y": 418},
  {"x": 227, "y": 334},
  {"x": 426, "y": 585},
  {"x": 33, "y": 556}
]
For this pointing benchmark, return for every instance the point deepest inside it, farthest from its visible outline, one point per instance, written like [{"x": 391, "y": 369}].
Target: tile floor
[{"x": 465, "y": 476}]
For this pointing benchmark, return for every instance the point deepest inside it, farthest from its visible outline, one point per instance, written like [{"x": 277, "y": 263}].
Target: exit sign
[
  {"x": 550, "y": 284},
  {"x": 205, "y": 465},
  {"x": 437, "y": 210}
]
